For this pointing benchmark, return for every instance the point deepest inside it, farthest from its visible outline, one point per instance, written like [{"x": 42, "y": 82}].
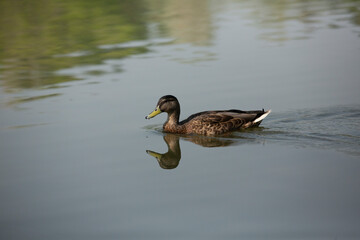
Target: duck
[{"x": 208, "y": 123}]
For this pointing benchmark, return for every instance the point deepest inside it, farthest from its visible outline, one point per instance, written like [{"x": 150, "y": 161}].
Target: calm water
[{"x": 79, "y": 161}]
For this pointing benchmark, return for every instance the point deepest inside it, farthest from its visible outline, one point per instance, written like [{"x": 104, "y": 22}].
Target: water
[{"x": 79, "y": 161}]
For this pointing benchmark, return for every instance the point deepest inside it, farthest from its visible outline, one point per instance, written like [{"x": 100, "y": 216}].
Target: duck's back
[{"x": 220, "y": 122}]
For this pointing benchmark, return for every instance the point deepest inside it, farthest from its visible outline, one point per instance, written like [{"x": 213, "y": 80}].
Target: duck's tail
[{"x": 262, "y": 116}]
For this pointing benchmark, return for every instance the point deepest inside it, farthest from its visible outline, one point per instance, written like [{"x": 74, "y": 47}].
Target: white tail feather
[{"x": 262, "y": 116}]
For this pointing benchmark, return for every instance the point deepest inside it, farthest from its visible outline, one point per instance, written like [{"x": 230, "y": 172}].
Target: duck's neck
[
  {"x": 172, "y": 123},
  {"x": 173, "y": 144}
]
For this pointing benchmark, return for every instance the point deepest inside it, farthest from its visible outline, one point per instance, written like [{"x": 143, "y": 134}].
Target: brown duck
[{"x": 208, "y": 122}]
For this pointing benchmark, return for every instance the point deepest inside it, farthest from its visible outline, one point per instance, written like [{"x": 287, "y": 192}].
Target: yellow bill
[
  {"x": 154, "y": 154},
  {"x": 154, "y": 113}
]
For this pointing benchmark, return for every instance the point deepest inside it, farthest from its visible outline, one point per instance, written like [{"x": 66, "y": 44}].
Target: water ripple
[{"x": 335, "y": 127}]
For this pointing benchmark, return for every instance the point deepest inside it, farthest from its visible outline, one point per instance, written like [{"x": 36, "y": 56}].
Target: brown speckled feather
[{"x": 217, "y": 122}]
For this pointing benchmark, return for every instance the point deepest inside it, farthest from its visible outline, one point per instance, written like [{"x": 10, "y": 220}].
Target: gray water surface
[{"x": 79, "y": 161}]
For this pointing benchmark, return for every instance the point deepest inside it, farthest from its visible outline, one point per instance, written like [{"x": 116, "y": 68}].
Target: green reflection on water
[
  {"x": 278, "y": 19},
  {"x": 29, "y": 99},
  {"x": 38, "y": 38},
  {"x": 35, "y": 35}
]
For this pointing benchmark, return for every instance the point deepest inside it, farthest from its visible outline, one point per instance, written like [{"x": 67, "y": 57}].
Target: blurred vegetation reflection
[
  {"x": 38, "y": 38},
  {"x": 34, "y": 34}
]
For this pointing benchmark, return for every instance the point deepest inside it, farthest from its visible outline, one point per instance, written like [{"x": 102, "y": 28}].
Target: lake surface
[{"x": 79, "y": 161}]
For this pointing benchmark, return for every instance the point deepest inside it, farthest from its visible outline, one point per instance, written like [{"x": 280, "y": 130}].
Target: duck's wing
[
  {"x": 225, "y": 116},
  {"x": 219, "y": 122}
]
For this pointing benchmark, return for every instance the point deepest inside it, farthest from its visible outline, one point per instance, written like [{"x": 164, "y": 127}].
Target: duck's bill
[
  {"x": 154, "y": 113},
  {"x": 154, "y": 154}
]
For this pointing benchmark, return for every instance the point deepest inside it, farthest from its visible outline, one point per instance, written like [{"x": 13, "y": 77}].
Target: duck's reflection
[{"x": 171, "y": 158}]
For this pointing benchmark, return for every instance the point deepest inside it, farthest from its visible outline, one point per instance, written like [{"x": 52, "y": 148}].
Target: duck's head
[{"x": 167, "y": 104}]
